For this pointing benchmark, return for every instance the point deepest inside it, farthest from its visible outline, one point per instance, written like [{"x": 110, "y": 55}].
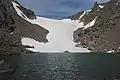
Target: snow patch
[
  {"x": 12, "y": 33},
  {"x": 112, "y": 51},
  {"x": 82, "y": 14},
  {"x": 119, "y": 48},
  {"x": 90, "y": 24},
  {"x": 117, "y": 3},
  {"x": 98, "y": 10},
  {"x": 19, "y": 12},
  {"x": 79, "y": 25},
  {"x": 88, "y": 11},
  {"x": 100, "y": 6},
  {"x": 85, "y": 12}
]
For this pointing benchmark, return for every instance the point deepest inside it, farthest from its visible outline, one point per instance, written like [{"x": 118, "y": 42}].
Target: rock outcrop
[
  {"x": 13, "y": 28},
  {"x": 103, "y": 36}
]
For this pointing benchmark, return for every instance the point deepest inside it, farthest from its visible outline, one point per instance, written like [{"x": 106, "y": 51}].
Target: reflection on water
[{"x": 64, "y": 67}]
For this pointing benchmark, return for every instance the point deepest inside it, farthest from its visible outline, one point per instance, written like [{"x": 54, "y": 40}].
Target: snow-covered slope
[
  {"x": 60, "y": 37},
  {"x": 95, "y": 29}
]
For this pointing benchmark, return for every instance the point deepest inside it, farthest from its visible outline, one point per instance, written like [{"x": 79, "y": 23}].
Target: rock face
[
  {"x": 104, "y": 34},
  {"x": 29, "y": 13},
  {"x": 13, "y": 28}
]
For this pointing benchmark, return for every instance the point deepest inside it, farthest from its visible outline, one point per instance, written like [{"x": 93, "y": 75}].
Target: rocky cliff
[
  {"x": 103, "y": 36},
  {"x": 13, "y": 28}
]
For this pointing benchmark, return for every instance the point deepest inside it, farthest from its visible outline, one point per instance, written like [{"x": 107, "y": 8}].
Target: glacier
[{"x": 60, "y": 37}]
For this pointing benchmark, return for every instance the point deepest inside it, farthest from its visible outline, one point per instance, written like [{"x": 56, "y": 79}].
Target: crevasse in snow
[{"x": 60, "y": 35}]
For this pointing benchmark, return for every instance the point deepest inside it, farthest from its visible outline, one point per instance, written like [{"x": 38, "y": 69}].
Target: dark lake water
[{"x": 64, "y": 67}]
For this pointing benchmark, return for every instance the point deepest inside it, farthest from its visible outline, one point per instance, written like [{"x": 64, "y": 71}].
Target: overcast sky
[{"x": 58, "y": 8}]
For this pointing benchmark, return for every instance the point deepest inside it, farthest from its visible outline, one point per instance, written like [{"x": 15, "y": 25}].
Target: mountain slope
[
  {"x": 103, "y": 36},
  {"x": 24, "y": 27},
  {"x": 13, "y": 28},
  {"x": 96, "y": 29},
  {"x": 92, "y": 29},
  {"x": 27, "y": 28}
]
